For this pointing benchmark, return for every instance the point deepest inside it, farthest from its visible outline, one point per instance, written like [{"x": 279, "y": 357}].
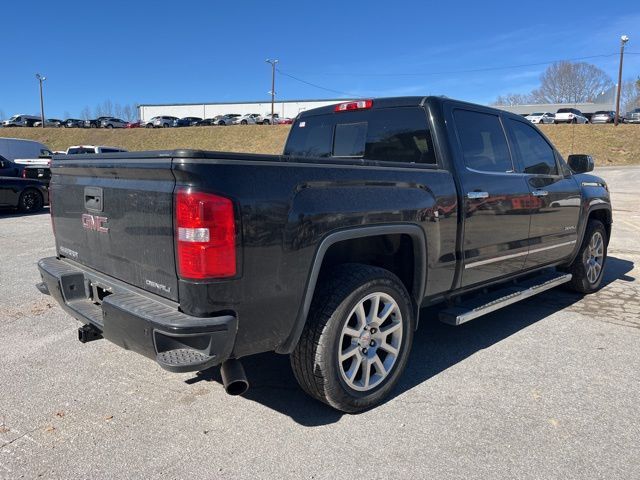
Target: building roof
[{"x": 242, "y": 102}]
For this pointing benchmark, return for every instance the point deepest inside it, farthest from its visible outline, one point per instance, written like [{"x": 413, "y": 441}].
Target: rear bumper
[{"x": 137, "y": 320}]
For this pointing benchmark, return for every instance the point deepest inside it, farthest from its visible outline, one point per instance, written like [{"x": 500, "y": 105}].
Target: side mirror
[{"x": 580, "y": 163}]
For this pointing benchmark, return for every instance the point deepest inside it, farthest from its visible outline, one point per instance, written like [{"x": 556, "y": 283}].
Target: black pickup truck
[{"x": 328, "y": 252}]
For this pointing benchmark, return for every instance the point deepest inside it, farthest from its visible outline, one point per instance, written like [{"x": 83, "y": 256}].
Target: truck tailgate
[{"x": 115, "y": 215}]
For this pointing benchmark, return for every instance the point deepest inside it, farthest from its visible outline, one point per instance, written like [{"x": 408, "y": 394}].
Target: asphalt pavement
[{"x": 548, "y": 388}]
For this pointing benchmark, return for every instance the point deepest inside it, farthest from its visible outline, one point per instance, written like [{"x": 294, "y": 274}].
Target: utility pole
[
  {"x": 623, "y": 39},
  {"x": 273, "y": 88},
  {"x": 41, "y": 78}
]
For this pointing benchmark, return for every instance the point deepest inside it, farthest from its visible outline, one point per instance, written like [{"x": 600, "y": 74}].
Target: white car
[
  {"x": 248, "y": 119},
  {"x": 82, "y": 149},
  {"x": 570, "y": 115},
  {"x": 541, "y": 117}
]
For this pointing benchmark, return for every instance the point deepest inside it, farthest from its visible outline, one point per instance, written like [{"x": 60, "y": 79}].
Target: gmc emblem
[{"x": 94, "y": 222}]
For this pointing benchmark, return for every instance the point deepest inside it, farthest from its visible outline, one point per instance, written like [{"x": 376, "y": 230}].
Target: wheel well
[
  {"x": 393, "y": 252},
  {"x": 605, "y": 217}
]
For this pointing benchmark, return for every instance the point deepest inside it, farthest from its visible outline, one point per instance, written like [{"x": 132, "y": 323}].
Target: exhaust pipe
[{"x": 233, "y": 377}]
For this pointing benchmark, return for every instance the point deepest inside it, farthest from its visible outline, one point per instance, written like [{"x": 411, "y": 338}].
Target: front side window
[
  {"x": 535, "y": 153},
  {"x": 484, "y": 145}
]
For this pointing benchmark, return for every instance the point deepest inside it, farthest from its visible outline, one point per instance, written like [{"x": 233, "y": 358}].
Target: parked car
[
  {"x": 207, "y": 122},
  {"x": 137, "y": 124},
  {"x": 73, "y": 123},
  {"x": 329, "y": 264},
  {"x": 603, "y": 116},
  {"x": 633, "y": 116},
  {"x": 247, "y": 119},
  {"x": 541, "y": 117},
  {"x": 25, "y": 194},
  {"x": 570, "y": 115},
  {"x": 285, "y": 121},
  {"x": 163, "y": 121},
  {"x": 112, "y": 122},
  {"x": 21, "y": 121},
  {"x": 227, "y": 119},
  {"x": 90, "y": 149},
  {"x": 267, "y": 120},
  {"x": 186, "y": 121},
  {"x": 95, "y": 123},
  {"x": 50, "y": 123},
  {"x": 16, "y": 153}
]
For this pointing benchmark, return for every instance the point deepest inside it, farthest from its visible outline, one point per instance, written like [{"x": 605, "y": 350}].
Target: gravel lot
[{"x": 548, "y": 388}]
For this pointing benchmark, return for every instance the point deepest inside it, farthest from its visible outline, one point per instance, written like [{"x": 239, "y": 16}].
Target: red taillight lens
[
  {"x": 359, "y": 105},
  {"x": 206, "y": 235}
]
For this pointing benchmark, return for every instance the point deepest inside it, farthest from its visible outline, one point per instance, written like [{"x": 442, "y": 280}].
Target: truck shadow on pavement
[
  {"x": 436, "y": 347},
  {"x": 13, "y": 213}
]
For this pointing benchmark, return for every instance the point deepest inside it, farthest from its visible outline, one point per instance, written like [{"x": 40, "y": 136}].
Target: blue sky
[{"x": 195, "y": 51}]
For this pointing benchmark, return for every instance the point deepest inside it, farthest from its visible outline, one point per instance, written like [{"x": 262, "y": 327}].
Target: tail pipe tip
[{"x": 233, "y": 377}]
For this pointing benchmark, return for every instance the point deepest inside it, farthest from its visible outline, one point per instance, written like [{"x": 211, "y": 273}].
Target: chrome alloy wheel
[
  {"x": 593, "y": 257},
  {"x": 370, "y": 341}
]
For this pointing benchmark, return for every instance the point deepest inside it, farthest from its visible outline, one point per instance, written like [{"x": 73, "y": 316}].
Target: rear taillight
[
  {"x": 359, "y": 105},
  {"x": 206, "y": 235}
]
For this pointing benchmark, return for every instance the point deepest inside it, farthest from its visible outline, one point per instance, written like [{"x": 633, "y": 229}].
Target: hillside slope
[{"x": 609, "y": 145}]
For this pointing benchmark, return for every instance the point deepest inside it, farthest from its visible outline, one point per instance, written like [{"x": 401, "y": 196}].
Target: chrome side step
[{"x": 464, "y": 312}]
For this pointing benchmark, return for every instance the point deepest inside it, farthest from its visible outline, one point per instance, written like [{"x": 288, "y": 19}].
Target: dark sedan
[
  {"x": 207, "y": 122},
  {"x": 186, "y": 121},
  {"x": 25, "y": 194}
]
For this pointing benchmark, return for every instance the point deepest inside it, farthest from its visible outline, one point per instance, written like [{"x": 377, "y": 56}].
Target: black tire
[
  {"x": 109, "y": 126},
  {"x": 165, "y": 125},
  {"x": 266, "y": 122},
  {"x": 315, "y": 361},
  {"x": 93, "y": 125},
  {"x": 243, "y": 122},
  {"x": 30, "y": 201},
  {"x": 575, "y": 120},
  {"x": 579, "y": 269}
]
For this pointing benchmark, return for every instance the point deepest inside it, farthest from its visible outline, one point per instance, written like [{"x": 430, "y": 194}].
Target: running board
[{"x": 464, "y": 312}]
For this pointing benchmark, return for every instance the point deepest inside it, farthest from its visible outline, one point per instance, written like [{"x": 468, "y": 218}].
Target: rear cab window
[{"x": 394, "y": 134}]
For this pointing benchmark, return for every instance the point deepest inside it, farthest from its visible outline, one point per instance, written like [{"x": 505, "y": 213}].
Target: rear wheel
[
  {"x": 109, "y": 126},
  {"x": 587, "y": 268},
  {"x": 357, "y": 339},
  {"x": 266, "y": 122},
  {"x": 30, "y": 201},
  {"x": 244, "y": 122}
]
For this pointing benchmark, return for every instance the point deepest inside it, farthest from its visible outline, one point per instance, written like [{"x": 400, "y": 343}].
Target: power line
[
  {"x": 315, "y": 85},
  {"x": 452, "y": 72}
]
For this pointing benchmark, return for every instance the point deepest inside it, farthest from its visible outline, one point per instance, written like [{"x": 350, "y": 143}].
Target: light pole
[
  {"x": 623, "y": 39},
  {"x": 273, "y": 87},
  {"x": 41, "y": 78}
]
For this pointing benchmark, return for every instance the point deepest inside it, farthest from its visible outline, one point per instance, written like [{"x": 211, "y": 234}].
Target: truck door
[
  {"x": 555, "y": 195},
  {"x": 495, "y": 198}
]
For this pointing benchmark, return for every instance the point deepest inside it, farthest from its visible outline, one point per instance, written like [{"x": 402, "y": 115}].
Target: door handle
[
  {"x": 477, "y": 195},
  {"x": 539, "y": 193}
]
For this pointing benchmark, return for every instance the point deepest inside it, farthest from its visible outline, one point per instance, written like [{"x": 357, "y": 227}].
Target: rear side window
[
  {"x": 535, "y": 153},
  {"x": 484, "y": 145},
  {"x": 390, "y": 134}
]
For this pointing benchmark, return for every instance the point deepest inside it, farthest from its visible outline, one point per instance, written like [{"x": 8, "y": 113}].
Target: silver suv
[
  {"x": 163, "y": 121},
  {"x": 112, "y": 122}
]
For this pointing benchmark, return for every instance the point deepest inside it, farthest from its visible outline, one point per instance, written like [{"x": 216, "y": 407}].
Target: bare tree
[
  {"x": 513, "y": 99},
  {"x": 107, "y": 107},
  {"x": 86, "y": 113},
  {"x": 630, "y": 95},
  {"x": 66, "y": 114},
  {"x": 1, "y": 114},
  {"x": 567, "y": 82},
  {"x": 128, "y": 113},
  {"x": 118, "y": 110}
]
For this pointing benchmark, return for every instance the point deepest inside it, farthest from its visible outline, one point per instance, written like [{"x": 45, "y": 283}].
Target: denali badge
[
  {"x": 157, "y": 285},
  {"x": 94, "y": 222}
]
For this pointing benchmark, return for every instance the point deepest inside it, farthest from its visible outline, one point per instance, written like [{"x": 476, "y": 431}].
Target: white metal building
[{"x": 284, "y": 108}]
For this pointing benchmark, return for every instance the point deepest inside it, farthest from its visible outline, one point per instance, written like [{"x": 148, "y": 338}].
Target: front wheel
[
  {"x": 588, "y": 267},
  {"x": 357, "y": 339},
  {"x": 30, "y": 201}
]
